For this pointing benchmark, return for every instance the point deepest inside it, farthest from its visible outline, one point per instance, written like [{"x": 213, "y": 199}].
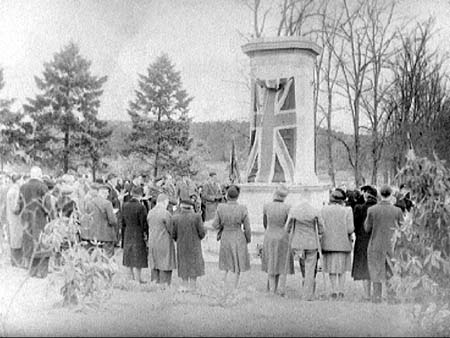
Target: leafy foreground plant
[
  {"x": 422, "y": 244},
  {"x": 87, "y": 274}
]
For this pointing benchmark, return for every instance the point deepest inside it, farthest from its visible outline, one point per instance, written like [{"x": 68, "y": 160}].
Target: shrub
[
  {"x": 87, "y": 275},
  {"x": 422, "y": 243}
]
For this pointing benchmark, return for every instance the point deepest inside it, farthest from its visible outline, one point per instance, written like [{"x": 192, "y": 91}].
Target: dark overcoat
[
  {"x": 232, "y": 218},
  {"x": 134, "y": 219},
  {"x": 35, "y": 208},
  {"x": 381, "y": 220},
  {"x": 276, "y": 240},
  {"x": 360, "y": 270},
  {"x": 188, "y": 231}
]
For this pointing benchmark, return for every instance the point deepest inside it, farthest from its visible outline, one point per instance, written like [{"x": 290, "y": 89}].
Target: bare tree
[
  {"x": 380, "y": 39},
  {"x": 419, "y": 96},
  {"x": 256, "y": 6},
  {"x": 328, "y": 70},
  {"x": 353, "y": 62}
]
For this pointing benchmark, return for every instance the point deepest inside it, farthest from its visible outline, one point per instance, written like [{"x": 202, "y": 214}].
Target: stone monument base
[{"x": 255, "y": 195}]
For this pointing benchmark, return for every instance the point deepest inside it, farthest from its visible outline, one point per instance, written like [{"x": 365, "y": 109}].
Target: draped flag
[
  {"x": 234, "y": 175},
  {"x": 273, "y": 132}
]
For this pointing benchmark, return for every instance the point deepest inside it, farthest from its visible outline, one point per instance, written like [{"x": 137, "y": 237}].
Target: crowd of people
[{"x": 160, "y": 223}]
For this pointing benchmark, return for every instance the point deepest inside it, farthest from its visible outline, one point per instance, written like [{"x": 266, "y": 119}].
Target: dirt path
[{"x": 136, "y": 310}]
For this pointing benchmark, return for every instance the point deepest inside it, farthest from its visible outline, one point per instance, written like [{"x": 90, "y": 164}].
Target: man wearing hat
[
  {"x": 102, "y": 223},
  {"x": 360, "y": 270},
  {"x": 211, "y": 195},
  {"x": 380, "y": 222}
]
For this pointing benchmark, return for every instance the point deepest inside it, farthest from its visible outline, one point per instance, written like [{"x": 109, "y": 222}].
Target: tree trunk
[
  {"x": 158, "y": 143},
  {"x": 155, "y": 168},
  {"x": 357, "y": 145},
  {"x": 331, "y": 170},
  {"x": 375, "y": 150},
  {"x": 66, "y": 150}
]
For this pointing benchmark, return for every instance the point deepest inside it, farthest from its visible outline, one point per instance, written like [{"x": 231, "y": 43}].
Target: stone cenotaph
[{"x": 282, "y": 125}]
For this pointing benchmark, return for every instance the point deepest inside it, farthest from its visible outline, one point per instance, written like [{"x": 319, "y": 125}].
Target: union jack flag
[{"x": 273, "y": 132}]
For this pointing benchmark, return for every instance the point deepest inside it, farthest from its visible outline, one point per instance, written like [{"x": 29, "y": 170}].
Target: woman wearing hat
[
  {"x": 188, "y": 231},
  {"x": 360, "y": 270},
  {"x": 232, "y": 220},
  {"x": 276, "y": 242},
  {"x": 336, "y": 244}
]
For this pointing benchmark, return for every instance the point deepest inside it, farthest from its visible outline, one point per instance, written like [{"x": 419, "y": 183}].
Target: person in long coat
[
  {"x": 303, "y": 218},
  {"x": 99, "y": 222},
  {"x": 233, "y": 224},
  {"x": 15, "y": 228},
  {"x": 381, "y": 220},
  {"x": 360, "y": 270},
  {"x": 188, "y": 231},
  {"x": 161, "y": 247},
  {"x": 336, "y": 243},
  {"x": 277, "y": 261},
  {"x": 134, "y": 219},
  {"x": 34, "y": 207}
]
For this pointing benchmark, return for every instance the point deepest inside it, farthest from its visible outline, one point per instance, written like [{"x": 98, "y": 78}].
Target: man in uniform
[{"x": 211, "y": 196}]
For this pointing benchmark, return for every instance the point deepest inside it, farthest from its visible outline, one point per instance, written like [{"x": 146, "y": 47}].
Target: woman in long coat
[
  {"x": 134, "y": 219},
  {"x": 276, "y": 261},
  {"x": 161, "y": 247},
  {"x": 336, "y": 244},
  {"x": 360, "y": 270},
  {"x": 230, "y": 218},
  {"x": 188, "y": 231}
]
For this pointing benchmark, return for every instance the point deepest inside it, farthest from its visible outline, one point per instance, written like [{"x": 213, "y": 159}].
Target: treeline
[{"x": 212, "y": 142}]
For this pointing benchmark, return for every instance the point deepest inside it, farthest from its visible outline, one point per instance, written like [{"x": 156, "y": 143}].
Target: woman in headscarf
[
  {"x": 233, "y": 224},
  {"x": 276, "y": 261},
  {"x": 336, "y": 243}
]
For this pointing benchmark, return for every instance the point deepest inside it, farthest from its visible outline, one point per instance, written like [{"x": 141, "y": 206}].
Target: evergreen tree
[
  {"x": 69, "y": 100},
  {"x": 12, "y": 133},
  {"x": 160, "y": 119}
]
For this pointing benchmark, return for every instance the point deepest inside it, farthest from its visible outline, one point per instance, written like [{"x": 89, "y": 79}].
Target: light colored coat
[
  {"x": 381, "y": 220},
  {"x": 337, "y": 226},
  {"x": 230, "y": 218},
  {"x": 304, "y": 237},
  {"x": 276, "y": 239},
  {"x": 161, "y": 247},
  {"x": 14, "y": 222},
  {"x": 102, "y": 222}
]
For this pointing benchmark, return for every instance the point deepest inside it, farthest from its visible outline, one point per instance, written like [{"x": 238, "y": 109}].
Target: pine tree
[
  {"x": 12, "y": 133},
  {"x": 69, "y": 100},
  {"x": 160, "y": 119}
]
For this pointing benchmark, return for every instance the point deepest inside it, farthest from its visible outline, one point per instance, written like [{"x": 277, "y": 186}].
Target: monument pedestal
[{"x": 255, "y": 195}]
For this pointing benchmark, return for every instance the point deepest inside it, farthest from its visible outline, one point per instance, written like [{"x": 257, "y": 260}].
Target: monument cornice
[{"x": 279, "y": 43}]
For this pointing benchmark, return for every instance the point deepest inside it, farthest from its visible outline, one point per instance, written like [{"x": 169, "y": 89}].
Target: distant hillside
[{"x": 213, "y": 142}]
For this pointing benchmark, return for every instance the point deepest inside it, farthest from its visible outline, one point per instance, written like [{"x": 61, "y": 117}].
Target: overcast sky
[{"x": 122, "y": 37}]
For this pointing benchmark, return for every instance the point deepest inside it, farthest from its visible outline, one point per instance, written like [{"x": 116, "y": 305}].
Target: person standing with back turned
[
  {"x": 161, "y": 247},
  {"x": 233, "y": 223},
  {"x": 381, "y": 220}
]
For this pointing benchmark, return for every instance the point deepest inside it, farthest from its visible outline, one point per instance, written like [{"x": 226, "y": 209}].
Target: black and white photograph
[{"x": 246, "y": 168}]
